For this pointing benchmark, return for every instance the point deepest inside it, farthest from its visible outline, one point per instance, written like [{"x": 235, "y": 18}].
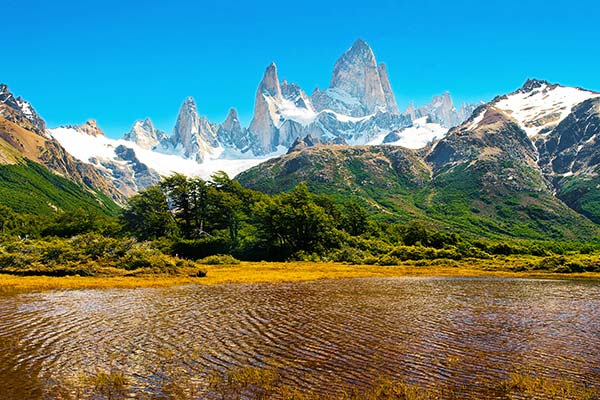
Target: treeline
[
  {"x": 193, "y": 218},
  {"x": 168, "y": 226}
]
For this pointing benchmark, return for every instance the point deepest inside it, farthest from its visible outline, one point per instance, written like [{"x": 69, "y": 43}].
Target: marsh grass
[
  {"x": 520, "y": 385},
  {"x": 266, "y": 383},
  {"x": 172, "y": 382},
  {"x": 274, "y": 272}
]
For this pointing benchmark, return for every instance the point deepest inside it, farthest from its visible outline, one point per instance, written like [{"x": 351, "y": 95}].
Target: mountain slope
[
  {"x": 486, "y": 176},
  {"x": 23, "y": 135},
  {"x": 29, "y": 187}
]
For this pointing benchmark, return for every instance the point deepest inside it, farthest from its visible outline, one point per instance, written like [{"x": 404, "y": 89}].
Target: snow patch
[
  {"x": 87, "y": 148},
  {"x": 473, "y": 125},
  {"x": 417, "y": 136},
  {"x": 544, "y": 107}
]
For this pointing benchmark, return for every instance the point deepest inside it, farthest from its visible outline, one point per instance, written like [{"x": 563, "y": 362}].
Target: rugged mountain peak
[
  {"x": 144, "y": 134},
  {"x": 265, "y": 123},
  {"x": 295, "y": 94},
  {"x": 390, "y": 100},
  {"x": 356, "y": 73},
  {"x": 90, "y": 127},
  {"x": 270, "y": 82},
  {"x": 300, "y": 144},
  {"x": 411, "y": 111},
  {"x": 540, "y": 106},
  {"x": 232, "y": 119},
  {"x": 22, "y": 108},
  {"x": 441, "y": 111},
  {"x": 494, "y": 148},
  {"x": 194, "y": 136},
  {"x": 360, "y": 55},
  {"x": 233, "y": 137},
  {"x": 531, "y": 84},
  {"x": 189, "y": 104},
  {"x": 359, "y": 87}
]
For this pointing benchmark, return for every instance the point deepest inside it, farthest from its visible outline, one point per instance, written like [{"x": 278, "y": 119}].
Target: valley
[{"x": 326, "y": 245}]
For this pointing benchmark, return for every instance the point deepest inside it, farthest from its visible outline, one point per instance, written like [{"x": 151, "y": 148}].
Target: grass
[
  {"x": 31, "y": 188},
  {"x": 256, "y": 383},
  {"x": 274, "y": 272}
]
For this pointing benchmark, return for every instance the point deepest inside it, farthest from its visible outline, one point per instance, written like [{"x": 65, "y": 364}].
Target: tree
[
  {"x": 147, "y": 215},
  {"x": 188, "y": 200},
  {"x": 291, "y": 222},
  {"x": 354, "y": 220},
  {"x": 7, "y": 219},
  {"x": 177, "y": 192}
]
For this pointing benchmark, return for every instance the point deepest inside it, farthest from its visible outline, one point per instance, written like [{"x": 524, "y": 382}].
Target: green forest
[{"x": 182, "y": 223}]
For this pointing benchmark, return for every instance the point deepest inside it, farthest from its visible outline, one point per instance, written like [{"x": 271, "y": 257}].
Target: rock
[
  {"x": 194, "y": 137},
  {"x": 441, "y": 111},
  {"x": 145, "y": 135},
  {"x": 90, "y": 127},
  {"x": 265, "y": 123},
  {"x": 24, "y": 111},
  {"x": 358, "y": 86}
]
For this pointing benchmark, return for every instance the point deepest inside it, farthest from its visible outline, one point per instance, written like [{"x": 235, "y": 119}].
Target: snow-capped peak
[
  {"x": 540, "y": 106},
  {"x": 144, "y": 134},
  {"x": 21, "y": 106}
]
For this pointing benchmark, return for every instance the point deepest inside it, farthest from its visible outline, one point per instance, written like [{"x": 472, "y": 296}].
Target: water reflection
[{"x": 323, "y": 335}]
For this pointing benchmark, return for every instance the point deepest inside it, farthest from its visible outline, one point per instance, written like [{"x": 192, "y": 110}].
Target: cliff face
[
  {"x": 265, "y": 123},
  {"x": 145, "y": 135},
  {"x": 194, "y": 136},
  {"x": 359, "y": 86}
]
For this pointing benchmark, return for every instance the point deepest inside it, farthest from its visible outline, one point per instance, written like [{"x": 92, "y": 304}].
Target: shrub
[
  {"x": 350, "y": 255},
  {"x": 199, "y": 248},
  {"x": 219, "y": 259}
]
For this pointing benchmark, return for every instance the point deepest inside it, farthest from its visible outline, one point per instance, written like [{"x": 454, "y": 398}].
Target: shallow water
[{"x": 455, "y": 332}]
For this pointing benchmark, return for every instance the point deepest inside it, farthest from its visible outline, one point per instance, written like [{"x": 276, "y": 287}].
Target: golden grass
[
  {"x": 12, "y": 283},
  {"x": 273, "y": 272}
]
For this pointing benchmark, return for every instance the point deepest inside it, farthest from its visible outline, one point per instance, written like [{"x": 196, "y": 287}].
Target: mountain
[
  {"x": 268, "y": 107},
  {"x": 36, "y": 173},
  {"x": 358, "y": 107},
  {"x": 441, "y": 111},
  {"x": 144, "y": 134},
  {"x": 359, "y": 87},
  {"x": 19, "y": 111},
  {"x": 374, "y": 173},
  {"x": 231, "y": 134},
  {"x": 194, "y": 137},
  {"x": 525, "y": 165},
  {"x": 564, "y": 123}
]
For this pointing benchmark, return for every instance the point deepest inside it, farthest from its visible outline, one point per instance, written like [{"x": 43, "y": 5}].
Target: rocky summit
[
  {"x": 358, "y": 107},
  {"x": 145, "y": 134},
  {"x": 359, "y": 87}
]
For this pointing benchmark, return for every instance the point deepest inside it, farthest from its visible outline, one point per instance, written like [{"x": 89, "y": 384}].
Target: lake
[{"x": 321, "y": 335}]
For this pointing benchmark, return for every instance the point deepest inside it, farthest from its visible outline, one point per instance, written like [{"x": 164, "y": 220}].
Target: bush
[
  {"x": 219, "y": 259},
  {"x": 195, "y": 249},
  {"x": 90, "y": 255},
  {"x": 304, "y": 256},
  {"x": 350, "y": 255}
]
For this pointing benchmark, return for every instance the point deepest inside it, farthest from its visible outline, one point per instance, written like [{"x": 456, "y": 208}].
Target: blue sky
[{"x": 118, "y": 61}]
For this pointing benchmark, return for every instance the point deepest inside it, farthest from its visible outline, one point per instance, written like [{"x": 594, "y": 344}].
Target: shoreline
[{"x": 269, "y": 272}]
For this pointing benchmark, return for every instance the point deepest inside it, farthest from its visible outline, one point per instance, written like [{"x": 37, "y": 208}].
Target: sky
[{"x": 119, "y": 61}]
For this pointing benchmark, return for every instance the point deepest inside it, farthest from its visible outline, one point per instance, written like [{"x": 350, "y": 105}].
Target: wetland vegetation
[{"x": 184, "y": 225}]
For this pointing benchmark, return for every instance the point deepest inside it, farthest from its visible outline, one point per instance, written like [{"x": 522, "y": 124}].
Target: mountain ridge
[{"x": 490, "y": 175}]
